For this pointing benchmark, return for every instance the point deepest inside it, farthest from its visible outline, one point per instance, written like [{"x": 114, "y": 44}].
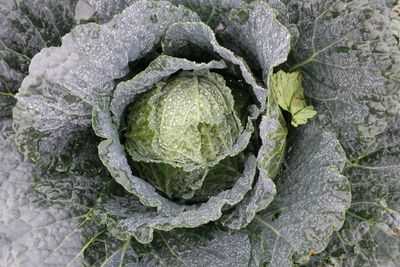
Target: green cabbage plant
[{"x": 199, "y": 133}]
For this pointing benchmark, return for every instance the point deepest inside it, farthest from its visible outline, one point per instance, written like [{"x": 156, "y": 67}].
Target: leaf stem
[
  {"x": 9, "y": 94},
  {"x": 213, "y": 12}
]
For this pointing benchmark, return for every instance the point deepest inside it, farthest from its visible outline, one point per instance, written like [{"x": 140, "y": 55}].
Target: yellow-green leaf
[{"x": 289, "y": 93}]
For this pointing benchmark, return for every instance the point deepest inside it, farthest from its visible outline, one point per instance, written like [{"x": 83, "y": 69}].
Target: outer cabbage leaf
[
  {"x": 10, "y": 4},
  {"x": 203, "y": 246},
  {"x": 26, "y": 27},
  {"x": 310, "y": 204},
  {"x": 52, "y": 118},
  {"x": 210, "y": 11},
  {"x": 371, "y": 233},
  {"x": 53, "y": 19},
  {"x": 43, "y": 218},
  {"x": 180, "y": 36},
  {"x": 281, "y": 8},
  {"x": 357, "y": 88},
  {"x": 242, "y": 26},
  {"x": 251, "y": 33},
  {"x": 347, "y": 54},
  {"x": 16, "y": 31},
  {"x": 106, "y": 9},
  {"x": 395, "y": 21},
  {"x": 272, "y": 132}
]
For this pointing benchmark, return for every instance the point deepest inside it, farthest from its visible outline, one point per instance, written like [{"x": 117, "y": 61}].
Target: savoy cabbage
[{"x": 199, "y": 133}]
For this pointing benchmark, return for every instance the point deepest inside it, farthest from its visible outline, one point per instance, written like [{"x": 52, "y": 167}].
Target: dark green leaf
[
  {"x": 106, "y": 9},
  {"x": 310, "y": 204},
  {"x": 204, "y": 246},
  {"x": 371, "y": 233},
  {"x": 348, "y": 56},
  {"x": 44, "y": 218},
  {"x": 25, "y": 28}
]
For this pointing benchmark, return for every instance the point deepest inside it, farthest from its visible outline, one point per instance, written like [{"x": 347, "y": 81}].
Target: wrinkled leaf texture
[{"x": 347, "y": 54}]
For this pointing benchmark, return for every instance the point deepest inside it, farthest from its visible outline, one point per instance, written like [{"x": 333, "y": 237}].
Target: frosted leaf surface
[
  {"x": 26, "y": 27},
  {"x": 272, "y": 132},
  {"x": 349, "y": 67},
  {"x": 370, "y": 235},
  {"x": 138, "y": 219},
  {"x": 201, "y": 36},
  {"x": 311, "y": 200},
  {"x": 41, "y": 215}
]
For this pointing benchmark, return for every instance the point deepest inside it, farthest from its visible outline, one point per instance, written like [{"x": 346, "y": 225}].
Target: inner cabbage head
[{"x": 188, "y": 123}]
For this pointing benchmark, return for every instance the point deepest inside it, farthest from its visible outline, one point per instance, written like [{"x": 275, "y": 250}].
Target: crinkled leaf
[
  {"x": 53, "y": 19},
  {"x": 281, "y": 9},
  {"x": 371, "y": 233},
  {"x": 210, "y": 11},
  {"x": 311, "y": 200},
  {"x": 106, "y": 9},
  {"x": 258, "y": 35},
  {"x": 26, "y": 27},
  {"x": 84, "y": 12},
  {"x": 10, "y": 4},
  {"x": 395, "y": 21},
  {"x": 20, "y": 39},
  {"x": 289, "y": 93},
  {"x": 357, "y": 86},
  {"x": 203, "y": 246},
  {"x": 246, "y": 29},
  {"x": 181, "y": 35},
  {"x": 249, "y": 28},
  {"x": 347, "y": 55},
  {"x": 272, "y": 132},
  {"x": 52, "y": 118},
  {"x": 42, "y": 216}
]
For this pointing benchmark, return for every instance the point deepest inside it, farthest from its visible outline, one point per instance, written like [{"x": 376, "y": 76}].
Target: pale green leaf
[{"x": 289, "y": 93}]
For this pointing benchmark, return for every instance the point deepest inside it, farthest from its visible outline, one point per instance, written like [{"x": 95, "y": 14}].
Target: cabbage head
[{"x": 199, "y": 133}]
